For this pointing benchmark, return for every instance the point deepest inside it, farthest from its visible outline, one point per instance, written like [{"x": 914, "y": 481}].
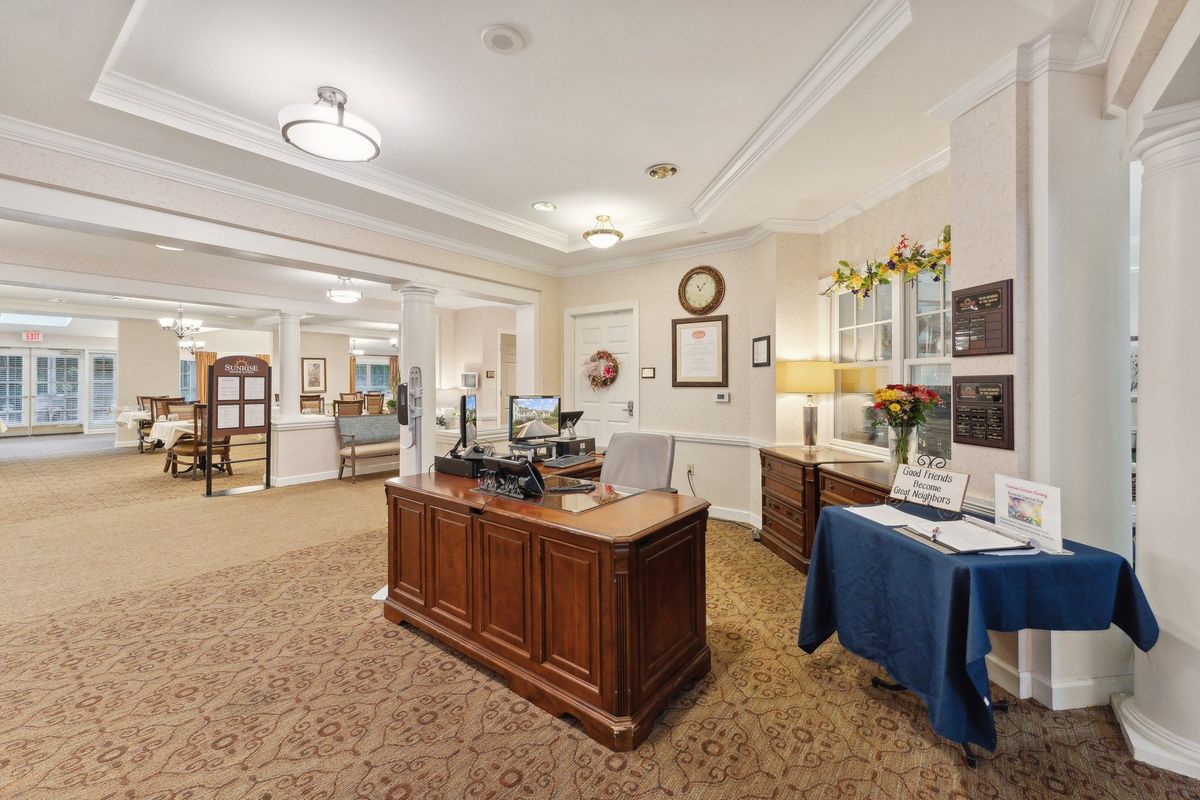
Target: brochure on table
[{"x": 1031, "y": 509}]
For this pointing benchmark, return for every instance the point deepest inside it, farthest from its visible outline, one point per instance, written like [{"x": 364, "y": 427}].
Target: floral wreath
[
  {"x": 904, "y": 261},
  {"x": 601, "y": 369}
]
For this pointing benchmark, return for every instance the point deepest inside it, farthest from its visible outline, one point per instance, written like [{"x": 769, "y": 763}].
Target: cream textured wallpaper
[{"x": 147, "y": 364}]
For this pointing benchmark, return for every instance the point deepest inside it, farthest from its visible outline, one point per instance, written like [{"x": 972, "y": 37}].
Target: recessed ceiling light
[
  {"x": 502, "y": 39},
  {"x": 169, "y": 248},
  {"x": 544, "y": 205},
  {"x": 56, "y": 300},
  {"x": 662, "y": 171},
  {"x": 231, "y": 316}
]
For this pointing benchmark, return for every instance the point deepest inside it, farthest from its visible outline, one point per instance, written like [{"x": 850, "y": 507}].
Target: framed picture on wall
[
  {"x": 760, "y": 351},
  {"x": 700, "y": 351},
  {"x": 312, "y": 375}
]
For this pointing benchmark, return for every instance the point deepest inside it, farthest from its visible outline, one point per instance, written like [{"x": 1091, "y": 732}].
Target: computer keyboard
[{"x": 568, "y": 461}]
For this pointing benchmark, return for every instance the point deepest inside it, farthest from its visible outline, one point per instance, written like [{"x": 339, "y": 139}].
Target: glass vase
[{"x": 901, "y": 445}]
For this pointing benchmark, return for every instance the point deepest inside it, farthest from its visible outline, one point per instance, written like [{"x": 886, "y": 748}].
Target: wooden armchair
[
  {"x": 350, "y": 395},
  {"x": 314, "y": 406},
  {"x": 159, "y": 407},
  {"x": 193, "y": 450},
  {"x": 374, "y": 402},
  {"x": 144, "y": 425},
  {"x": 347, "y": 408}
]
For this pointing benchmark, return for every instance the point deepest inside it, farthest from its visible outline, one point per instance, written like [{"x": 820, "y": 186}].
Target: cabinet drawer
[
  {"x": 779, "y": 530},
  {"x": 787, "y": 511},
  {"x": 794, "y": 494},
  {"x": 783, "y": 471},
  {"x": 850, "y": 491}
]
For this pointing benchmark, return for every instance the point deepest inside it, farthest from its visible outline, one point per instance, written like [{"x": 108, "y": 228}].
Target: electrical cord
[{"x": 691, "y": 485}]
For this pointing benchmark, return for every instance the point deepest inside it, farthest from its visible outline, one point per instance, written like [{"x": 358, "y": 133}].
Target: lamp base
[{"x": 810, "y": 425}]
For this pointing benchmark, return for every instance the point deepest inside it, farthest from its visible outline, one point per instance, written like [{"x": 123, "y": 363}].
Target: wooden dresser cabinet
[
  {"x": 790, "y": 498},
  {"x": 855, "y": 484}
]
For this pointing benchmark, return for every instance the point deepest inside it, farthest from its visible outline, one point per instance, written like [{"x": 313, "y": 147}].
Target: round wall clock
[{"x": 701, "y": 290}]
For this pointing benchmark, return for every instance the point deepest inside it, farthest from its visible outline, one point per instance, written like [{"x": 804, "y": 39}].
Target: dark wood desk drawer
[
  {"x": 785, "y": 511},
  {"x": 850, "y": 492},
  {"x": 786, "y": 540},
  {"x": 783, "y": 471},
  {"x": 793, "y": 494}
]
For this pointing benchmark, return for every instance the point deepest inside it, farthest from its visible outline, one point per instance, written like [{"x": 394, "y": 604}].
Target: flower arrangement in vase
[{"x": 903, "y": 408}]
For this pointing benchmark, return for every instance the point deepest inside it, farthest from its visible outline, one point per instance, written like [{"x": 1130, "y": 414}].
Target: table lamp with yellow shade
[{"x": 805, "y": 377}]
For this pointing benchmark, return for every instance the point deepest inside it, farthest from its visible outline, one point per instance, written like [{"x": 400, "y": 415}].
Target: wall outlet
[
  {"x": 691, "y": 469},
  {"x": 722, "y": 397}
]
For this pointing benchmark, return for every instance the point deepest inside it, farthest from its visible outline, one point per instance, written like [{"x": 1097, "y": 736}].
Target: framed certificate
[{"x": 700, "y": 351}]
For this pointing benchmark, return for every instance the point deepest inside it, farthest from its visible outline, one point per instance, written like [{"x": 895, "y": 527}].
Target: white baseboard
[
  {"x": 1153, "y": 744},
  {"x": 313, "y": 477},
  {"x": 1008, "y": 677},
  {"x": 126, "y": 444},
  {"x": 1079, "y": 692},
  {"x": 733, "y": 515}
]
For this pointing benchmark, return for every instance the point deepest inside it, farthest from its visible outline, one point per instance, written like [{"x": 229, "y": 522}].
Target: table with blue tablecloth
[{"x": 924, "y": 615}]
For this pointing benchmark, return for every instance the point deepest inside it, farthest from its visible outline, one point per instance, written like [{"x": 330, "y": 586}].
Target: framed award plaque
[
  {"x": 983, "y": 410},
  {"x": 982, "y": 323}
]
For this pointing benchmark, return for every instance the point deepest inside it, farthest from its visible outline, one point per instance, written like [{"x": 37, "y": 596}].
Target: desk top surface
[
  {"x": 626, "y": 519},
  {"x": 819, "y": 455},
  {"x": 879, "y": 474}
]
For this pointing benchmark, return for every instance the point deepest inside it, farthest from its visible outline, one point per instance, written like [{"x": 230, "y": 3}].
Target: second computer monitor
[
  {"x": 533, "y": 417},
  {"x": 468, "y": 420}
]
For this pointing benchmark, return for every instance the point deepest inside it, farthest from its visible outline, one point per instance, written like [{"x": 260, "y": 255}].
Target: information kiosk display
[{"x": 239, "y": 390}]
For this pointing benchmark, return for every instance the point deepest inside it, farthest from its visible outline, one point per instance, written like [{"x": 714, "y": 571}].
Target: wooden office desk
[{"x": 598, "y": 614}]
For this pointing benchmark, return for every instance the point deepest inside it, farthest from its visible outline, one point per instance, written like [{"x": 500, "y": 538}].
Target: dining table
[
  {"x": 170, "y": 431},
  {"x": 131, "y": 419}
]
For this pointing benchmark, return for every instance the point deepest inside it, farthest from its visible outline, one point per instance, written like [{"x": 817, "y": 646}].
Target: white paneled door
[{"x": 614, "y": 408}]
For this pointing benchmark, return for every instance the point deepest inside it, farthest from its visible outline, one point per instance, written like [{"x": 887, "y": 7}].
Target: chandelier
[
  {"x": 603, "y": 235},
  {"x": 191, "y": 345},
  {"x": 327, "y": 130},
  {"x": 355, "y": 351},
  {"x": 179, "y": 326}
]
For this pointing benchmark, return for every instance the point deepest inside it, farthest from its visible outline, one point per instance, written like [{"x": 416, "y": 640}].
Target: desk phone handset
[{"x": 511, "y": 477}]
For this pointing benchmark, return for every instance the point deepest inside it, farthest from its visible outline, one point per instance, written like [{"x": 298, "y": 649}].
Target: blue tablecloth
[{"x": 924, "y": 615}]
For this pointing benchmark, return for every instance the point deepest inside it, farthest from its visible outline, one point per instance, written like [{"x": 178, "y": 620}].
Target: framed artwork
[
  {"x": 760, "y": 351},
  {"x": 491, "y": 374},
  {"x": 312, "y": 375},
  {"x": 700, "y": 351},
  {"x": 647, "y": 372}
]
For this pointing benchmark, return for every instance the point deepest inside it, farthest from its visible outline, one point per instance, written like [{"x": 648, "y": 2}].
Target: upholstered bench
[{"x": 366, "y": 436}]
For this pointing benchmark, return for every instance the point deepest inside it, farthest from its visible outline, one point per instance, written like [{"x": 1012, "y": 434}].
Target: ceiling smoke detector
[
  {"x": 502, "y": 39},
  {"x": 662, "y": 171}
]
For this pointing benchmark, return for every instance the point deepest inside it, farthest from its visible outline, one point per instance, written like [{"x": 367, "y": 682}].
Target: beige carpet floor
[{"x": 278, "y": 678}]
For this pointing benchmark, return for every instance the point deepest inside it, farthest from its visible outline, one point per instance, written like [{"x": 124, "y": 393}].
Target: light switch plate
[{"x": 722, "y": 397}]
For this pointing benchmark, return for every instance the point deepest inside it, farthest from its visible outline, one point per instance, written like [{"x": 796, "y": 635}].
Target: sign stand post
[{"x": 239, "y": 389}]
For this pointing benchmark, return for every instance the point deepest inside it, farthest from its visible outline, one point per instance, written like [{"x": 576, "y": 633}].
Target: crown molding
[
  {"x": 1051, "y": 53},
  {"x": 113, "y": 155},
  {"x": 690, "y": 251},
  {"x": 154, "y": 103},
  {"x": 1107, "y": 18},
  {"x": 917, "y": 172},
  {"x": 866, "y": 37}
]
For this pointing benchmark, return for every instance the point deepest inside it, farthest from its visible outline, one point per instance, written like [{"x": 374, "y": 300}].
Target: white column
[
  {"x": 1078, "y": 346},
  {"x": 527, "y": 350},
  {"x": 418, "y": 347},
  {"x": 287, "y": 371},
  {"x": 1161, "y": 720}
]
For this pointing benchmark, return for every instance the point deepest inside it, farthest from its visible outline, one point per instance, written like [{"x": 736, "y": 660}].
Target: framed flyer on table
[{"x": 700, "y": 351}]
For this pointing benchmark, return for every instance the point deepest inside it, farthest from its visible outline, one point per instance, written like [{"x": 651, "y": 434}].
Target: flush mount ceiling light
[
  {"x": 544, "y": 205},
  {"x": 169, "y": 248},
  {"x": 603, "y": 235},
  {"x": 662, "y": 171},
  {"x": 327, "y": 130},
  {"x": 502, "y": 39},
  {"x": 344, "y": 292},
  {"x": 179, "y": 326}
]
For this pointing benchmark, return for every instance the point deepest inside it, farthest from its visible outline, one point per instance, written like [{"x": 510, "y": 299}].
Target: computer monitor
[
  {"x": 468, "y": 419},
  {"x": 533, "y": 417},
  {"x": 567, "y": 422}
]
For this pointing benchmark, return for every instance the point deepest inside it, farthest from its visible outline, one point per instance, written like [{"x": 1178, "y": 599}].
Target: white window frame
[
  {"x": 182, "y": 393},
  {"x": 904, "y": 339},
  {"x": 363, "y": 361},
  {"x": 92, "y": 425}
]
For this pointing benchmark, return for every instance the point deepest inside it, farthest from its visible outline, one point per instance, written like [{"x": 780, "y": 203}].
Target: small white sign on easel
[
  {"x": 1033, "y": 509},
  {"x": 935, "y": 488}
]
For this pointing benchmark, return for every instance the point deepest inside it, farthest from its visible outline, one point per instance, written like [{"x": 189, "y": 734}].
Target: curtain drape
[
  {"x": 393, "y": 371},
  {"x": 353, "y": 373},
  {"x": 204, "y": 360}
]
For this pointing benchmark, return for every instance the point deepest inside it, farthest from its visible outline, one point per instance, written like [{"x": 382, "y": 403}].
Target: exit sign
[{"x": 31, "y": 336}]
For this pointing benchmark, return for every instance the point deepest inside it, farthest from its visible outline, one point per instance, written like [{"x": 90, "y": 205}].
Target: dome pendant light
[
  {"x": 344, "y": 293},
  {"x": 327, "y": 130},
  {"x": 603, "y": 235}
]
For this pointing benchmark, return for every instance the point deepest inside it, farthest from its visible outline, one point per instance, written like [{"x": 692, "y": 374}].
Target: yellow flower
[
  {"x": 895, "y": 407},
  {"x": 835, "y": 275},
  {"x": 856, "y": 281},
  {"x": 913, "y": 269}
]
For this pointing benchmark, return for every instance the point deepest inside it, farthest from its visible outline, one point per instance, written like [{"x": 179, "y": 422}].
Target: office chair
[{"x": 640, "y": 460}]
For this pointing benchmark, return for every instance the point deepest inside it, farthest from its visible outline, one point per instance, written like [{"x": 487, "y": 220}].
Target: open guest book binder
[{"x": 968, "y": 535}]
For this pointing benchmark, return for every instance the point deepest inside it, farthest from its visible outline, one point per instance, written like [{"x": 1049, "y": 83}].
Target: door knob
[{"x": 629, "y": 407}]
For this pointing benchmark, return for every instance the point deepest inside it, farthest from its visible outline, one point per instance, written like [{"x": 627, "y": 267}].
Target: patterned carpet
[{"x": 279, "y": 680}]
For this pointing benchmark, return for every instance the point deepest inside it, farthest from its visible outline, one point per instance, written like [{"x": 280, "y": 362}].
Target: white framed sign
[
  {"x": 1033, "y": 509},
  {"x": 936, "y": 488}
]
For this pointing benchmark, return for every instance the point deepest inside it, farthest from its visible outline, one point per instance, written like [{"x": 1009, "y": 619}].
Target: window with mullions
[
  {"x": 372, "y": 377},
  {"x": 867, "y": 346},
  {"x": 187, "y": 380}
]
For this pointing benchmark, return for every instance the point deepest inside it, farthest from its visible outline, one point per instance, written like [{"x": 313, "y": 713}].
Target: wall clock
[{"x": 701, "y": 290}]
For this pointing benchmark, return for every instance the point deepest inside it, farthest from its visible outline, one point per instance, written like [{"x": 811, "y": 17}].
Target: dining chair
[
  {"x": 347, "y": 408},
  {"x": 350, "y": 395},
  {"x": 193, "y": 449},
  {"x": 374, "y": 402},
  {"x": 144, "y": 425},
  {"x": 315, "y": 406},
  {"x": 158, "y": 408}
]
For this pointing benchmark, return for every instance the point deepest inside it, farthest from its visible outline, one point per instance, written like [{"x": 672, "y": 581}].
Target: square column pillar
[{"x": 418, "y": 348}]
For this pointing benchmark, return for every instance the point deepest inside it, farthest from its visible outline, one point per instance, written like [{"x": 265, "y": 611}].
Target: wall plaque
[
  {"x": 983, "y": 411},
  {"x": 983, "y": 319}
]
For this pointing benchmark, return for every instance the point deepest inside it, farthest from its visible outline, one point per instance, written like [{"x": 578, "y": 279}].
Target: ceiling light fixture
[
  {"x": 327, "y": 130},
  {"x": 179, "y": 326},
  {"x": 662, "y": 171},
  {"x": 354, "y": 351},
  {"x": 169, "y": 248},
  {"x": 56, "y": 300},
  {"x": 544, "y": 205},
  {"x": 191, "y": 345},
  {"x": 502, "y": 39},
  {"x": 344, "y": 292},
  {"x": 603, "y": 235}
]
